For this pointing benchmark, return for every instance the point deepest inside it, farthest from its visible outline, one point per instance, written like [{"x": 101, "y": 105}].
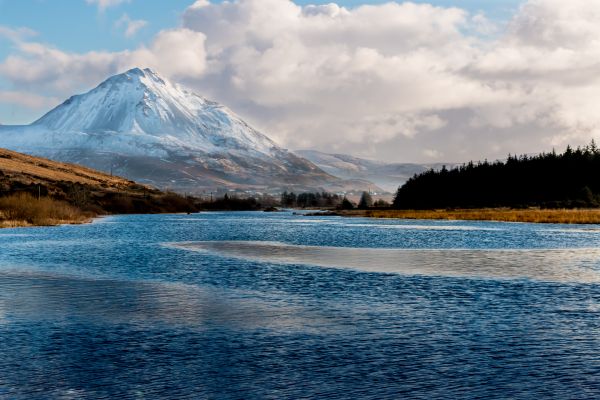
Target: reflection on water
[
  {"x": 39, "y": 296},
  {"x": 562, "y": 265}
]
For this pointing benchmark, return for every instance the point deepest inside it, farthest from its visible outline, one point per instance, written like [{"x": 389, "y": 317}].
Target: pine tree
[
  {"x": 366, "y": 201},
  {"x": 346, "y": 204}
]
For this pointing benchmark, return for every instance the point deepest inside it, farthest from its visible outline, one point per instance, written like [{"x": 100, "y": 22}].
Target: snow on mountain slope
[
  {"x": 142, "y": 103},
  {"x": 146, "y": 128},
  {"x": 387, "y": 175}
]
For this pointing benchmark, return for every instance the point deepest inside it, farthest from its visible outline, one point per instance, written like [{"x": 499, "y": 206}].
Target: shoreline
[
  {"x": 542, "y": 216},
  {"x": 13, "y": 224}
]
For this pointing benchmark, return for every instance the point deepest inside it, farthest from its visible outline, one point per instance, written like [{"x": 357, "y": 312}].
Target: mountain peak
[
  {"x": 141, "y": 102},
  {"x": 135, "y": 71},
  {"x": 136, "y": 75},
  {"x": 146, "y": 73}
]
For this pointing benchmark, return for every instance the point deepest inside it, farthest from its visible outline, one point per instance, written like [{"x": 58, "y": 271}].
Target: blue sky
[{"x": 74, "y": 25}]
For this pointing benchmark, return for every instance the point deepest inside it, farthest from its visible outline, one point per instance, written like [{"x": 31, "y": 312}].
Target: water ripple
[
  {"x": 554, "y": 265},
  {"x": 279, "y": 306}
]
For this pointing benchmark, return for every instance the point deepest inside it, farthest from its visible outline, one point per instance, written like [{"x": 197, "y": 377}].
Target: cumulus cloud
[
  {"x": 16, "y": 34},
  {"x": 38, "y": 67},
  {"x": 25, "y": 99},
  {"x": 356, "y": 79},
  {"x": 399, "y": 81},
  {"x": 104, "y": 4},
  {"x": 549, "y": 59},
  {"x": 407, "y": 76},
  {"x": 130, "y": 26}
]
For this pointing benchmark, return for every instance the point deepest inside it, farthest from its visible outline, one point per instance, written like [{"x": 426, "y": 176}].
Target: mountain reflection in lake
[{"x": 255, "y": 306}]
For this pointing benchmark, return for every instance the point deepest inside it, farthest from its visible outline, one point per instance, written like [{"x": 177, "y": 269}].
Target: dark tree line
[
  {"x": 550, "y": 180},
  {"x": 305, "y": 200},
  {"x": 232, "y": 203}
]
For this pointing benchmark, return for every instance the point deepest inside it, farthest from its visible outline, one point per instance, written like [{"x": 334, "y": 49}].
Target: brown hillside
[
  {"x": 88, "y": 190},
  {"x": 27, "y": 170}
]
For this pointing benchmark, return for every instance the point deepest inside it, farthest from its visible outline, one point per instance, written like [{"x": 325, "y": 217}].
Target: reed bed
[
  {"x": 550, "y": 216},
  {"x": 25, "y": 210}
]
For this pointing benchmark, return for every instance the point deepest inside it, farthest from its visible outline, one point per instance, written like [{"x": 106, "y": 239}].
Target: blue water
[{"x": 175, "y": 306}]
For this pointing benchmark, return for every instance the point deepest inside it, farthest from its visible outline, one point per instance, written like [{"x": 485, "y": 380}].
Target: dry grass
[
  {"x": 72, "y": 193},
  {"x": 25, "y": 210},
  {"x": 559, "y": 216},
  {"x": 13, "y": 163}
]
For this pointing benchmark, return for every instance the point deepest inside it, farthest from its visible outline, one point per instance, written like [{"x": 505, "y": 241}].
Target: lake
[{"x": 254, "y": 305}]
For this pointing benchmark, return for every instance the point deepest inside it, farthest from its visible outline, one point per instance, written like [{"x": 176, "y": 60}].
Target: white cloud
[
  {"x": 179, "y": 53},
  {"x": 176, "y": 53},
  {"x": 382, "y": 127},
  {"x": 349, "y": 72},
  {"x": 24, "y": 99},
  {"x": 104, "y": 4},
  {"x": 130, "y": 26},
  {"x": 16, "y": 34},
  {"x": 433, "y": 154},
  {"x": 396, "y": 81},
  {"x": 355, "y": 79}
]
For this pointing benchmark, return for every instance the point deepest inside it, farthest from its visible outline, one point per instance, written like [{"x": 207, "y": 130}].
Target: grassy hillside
[{"x": 38, "y": 191}]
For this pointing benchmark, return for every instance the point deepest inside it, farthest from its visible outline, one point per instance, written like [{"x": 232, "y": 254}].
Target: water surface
[{"x": 274, "y": 305}]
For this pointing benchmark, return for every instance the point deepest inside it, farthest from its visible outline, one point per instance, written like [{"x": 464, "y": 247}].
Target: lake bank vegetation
[
  {"x": 548, "y": 180},
  {"x": 552, "y": 216},
  {"x": 27, "y": 209},
  {"x": 310, "y": 200},
  {"x": 235, "y": 203},
  {"x": 23, "y": 209}
]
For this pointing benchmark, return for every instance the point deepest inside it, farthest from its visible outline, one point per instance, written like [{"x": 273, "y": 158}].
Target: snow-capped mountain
[
  {"x": 386, "y": 175},
  {"x": 143, "y": 127}
]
